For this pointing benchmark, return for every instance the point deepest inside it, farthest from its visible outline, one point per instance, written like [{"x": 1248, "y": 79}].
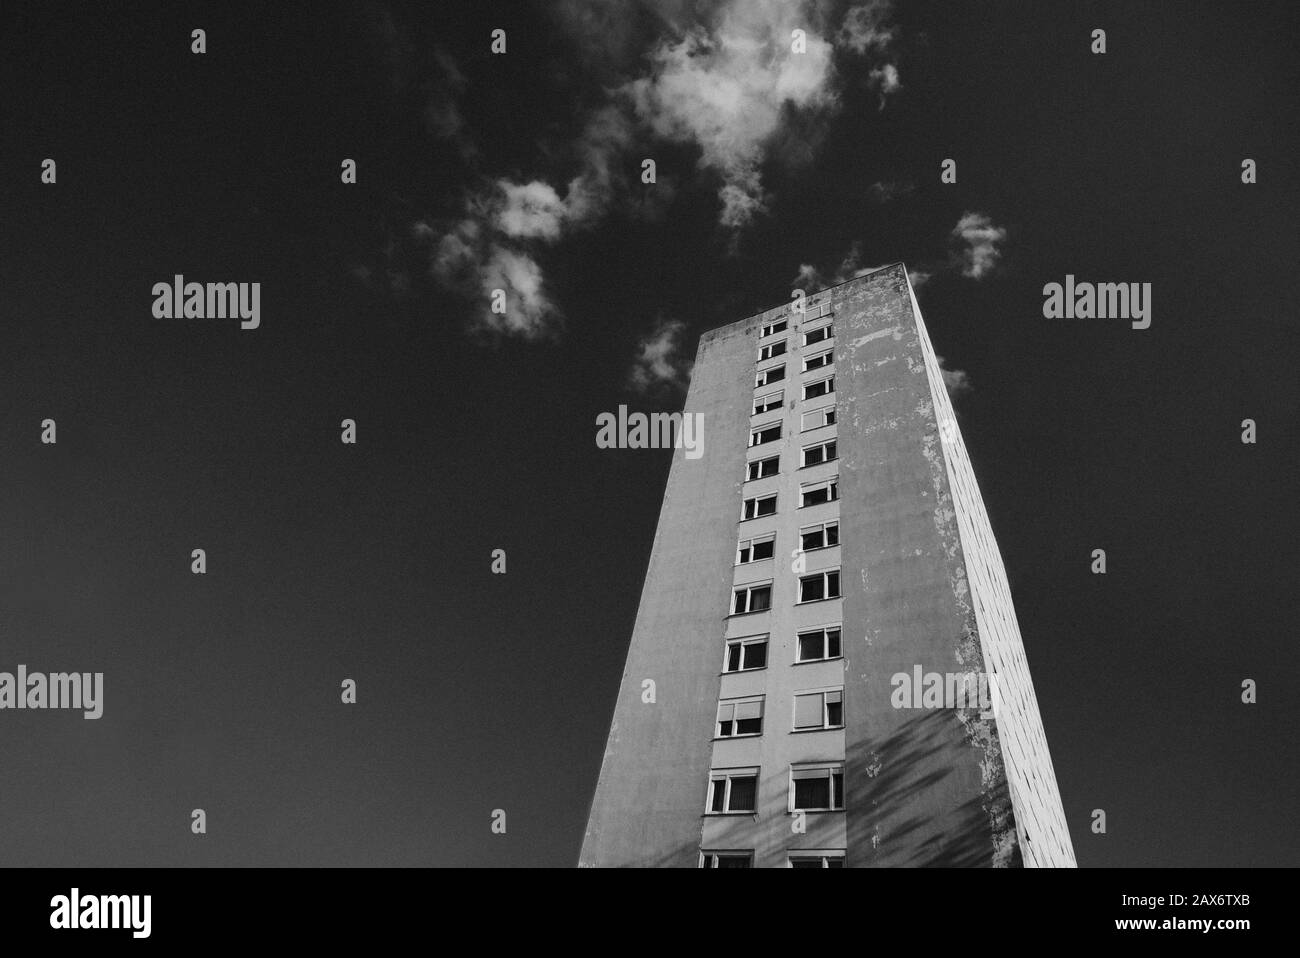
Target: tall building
[{"x": 823, "y": 579}]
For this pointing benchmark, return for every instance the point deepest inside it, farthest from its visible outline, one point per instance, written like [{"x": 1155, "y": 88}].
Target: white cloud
[
  {"x": 529, "y": 314},
  {"x": 978, "y": 240},
  {"x": 811, "y": 279},
  {"x": 886, "y": 77},
  {"x": 864, "y": 27},
  {"x": 473, "y": 261},
  {"x": 956, "y": 381},
  {"x": 724, "y": 86},
  {"x": 659, "y": 362},
  {"x": 528, "y": 210}
]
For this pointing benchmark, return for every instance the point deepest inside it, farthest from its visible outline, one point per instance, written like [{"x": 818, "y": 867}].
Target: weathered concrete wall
[
  {"x": 651, "y": 793},
  {"x": 1042, "y": 833},
  {"x": 924, "y": 786}
]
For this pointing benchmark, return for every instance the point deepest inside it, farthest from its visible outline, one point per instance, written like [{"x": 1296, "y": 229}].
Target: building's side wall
[
  {"x": 1044, "y": 837},
  {"x": 923, "y": 786},
  {"x": 651, "y": 793}
]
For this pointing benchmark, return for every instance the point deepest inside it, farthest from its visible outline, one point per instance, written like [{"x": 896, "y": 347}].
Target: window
[
  {"x": 770, "y": 375},
  {"x": 762, "y": 468},
  {"x": 818, "y": 335},
  {"x": 740, "y": 717},
  {"x": 726, "y": 859},
  {"x": 819, "y": 710},
  {"x": 758, "y": 506},
  {"x": 820, "y": 585},
  {"x": 821, "y": 387},
  {"x": 818, "y": 644},
  {"x": 815, "y": 493},
  {"x": 771, "y": 351},
  {"x": 816, "y": 860},
  {"x": 816, "y": 310},
  {"x": 772, "y": 328},
  {"x": 754, "y": 550},
  {"x": 817, "y": 418},
  {"x": 751, "y": 598},
  {"x": 769, "y": 433},
  {"x": 767, "y": 403},
  {"x": 821, "y": 536},
  {"x": 818, "y": 361},
  {"x": 733, "y": 790},
  {"x": 816, "y": 455},
  {"x": 745, "y": 655},
  {"x": 817, "y": 788}
]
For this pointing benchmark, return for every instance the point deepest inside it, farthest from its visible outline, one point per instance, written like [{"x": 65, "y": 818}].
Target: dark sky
[{"x": 372, "y": 562}]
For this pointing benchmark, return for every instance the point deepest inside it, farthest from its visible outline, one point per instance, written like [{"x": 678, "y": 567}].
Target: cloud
[
  {"x": 978, "y": 241},
  {"x": 885, "y": 192},
  {"x": 811, "y": 279},
  {"x": 864, "y": 27},
  {"x": 918, "y": 278},
  {"x": 472, "y": 260},
  {"x": 956, "y": 381},
  {"x": 659, "y": 364},
  {"x": 442, "y": 115},
  {"x": 725, "y": 86},
  {"x": 606, "y": 136},
  {"x": 885, "y": 79},
  {"x": 528, "y": 210}
]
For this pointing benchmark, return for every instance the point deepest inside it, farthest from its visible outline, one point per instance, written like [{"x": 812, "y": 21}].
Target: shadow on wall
[
  {"x": 905, "y": 789},
  {"x": 905, "y": 792}
]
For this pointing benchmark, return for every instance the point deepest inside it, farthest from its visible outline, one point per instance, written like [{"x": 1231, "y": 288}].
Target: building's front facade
[{"x": 829, "y": 540}]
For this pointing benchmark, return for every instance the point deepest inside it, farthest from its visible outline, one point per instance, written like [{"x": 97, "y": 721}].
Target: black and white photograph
[{"x": 492, "y": 437}]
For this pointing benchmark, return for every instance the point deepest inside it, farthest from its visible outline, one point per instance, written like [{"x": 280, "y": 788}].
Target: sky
[{"x": 523, "y": 171}]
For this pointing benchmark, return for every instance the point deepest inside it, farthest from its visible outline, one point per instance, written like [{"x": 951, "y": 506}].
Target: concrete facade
[{"x": 921, "y": 588}]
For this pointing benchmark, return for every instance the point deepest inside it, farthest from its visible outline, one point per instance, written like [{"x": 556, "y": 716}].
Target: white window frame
[
  {"x": 830, "y": 690},
  {"x": 808, "y": 360},
  {"x": 765, "y": 404},
  {"x": 756, "y": 500},
  {"x": 826, "y": 587},
  {"x": 817, "y": 329},
  {"x": 742, "y": 642},
  {"x": 830, "y": 484},
  {"x": 830, "y": 389},
  {"x": 771, "y": 328},
  {"x": 756, "y": 431},
  {"x": 822, "y": 411},
  {"x": 835, "y": 855},
  {"x": 817, "y": 310},
  {"x": 820, "y": 444},
  {"x": 772, "y": 350},
  {"x": 749, "y": 588},
  {"x": 750, "y": 471},
  {"x": 709, "y": 857},
  {"x": 761, "y": 380},
  {"x": 726, "y": 775},
  {"x": 750, "y": 543},
  {"x": 823, "y": 630},
  {"x": 830, "y": 768},
  {"x": 731, "y": 703},
  {"x": 823, "y": 528}
]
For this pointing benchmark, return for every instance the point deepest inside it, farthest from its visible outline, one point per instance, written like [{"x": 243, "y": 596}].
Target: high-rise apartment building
[{"x": 822, "y": 588}]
